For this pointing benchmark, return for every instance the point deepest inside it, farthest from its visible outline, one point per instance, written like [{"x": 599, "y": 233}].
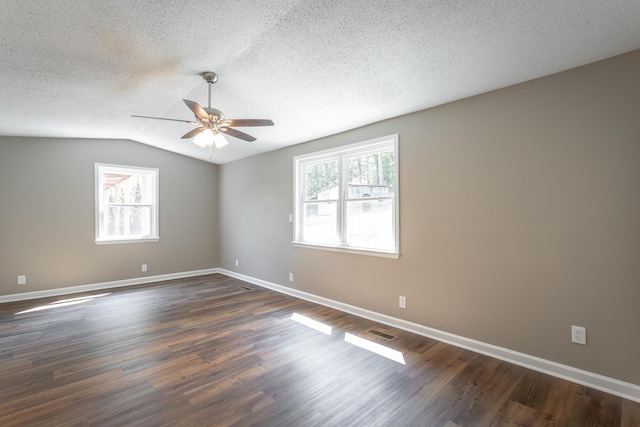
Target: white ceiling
[{"x": 316, "y": 68}]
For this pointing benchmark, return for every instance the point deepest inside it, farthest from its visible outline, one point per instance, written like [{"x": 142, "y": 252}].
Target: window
[
  {"x": 126, "y": 204},
  {"x": 347, "y": 198}
]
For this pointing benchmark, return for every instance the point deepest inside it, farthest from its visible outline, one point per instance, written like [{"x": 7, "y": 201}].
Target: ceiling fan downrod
[{"x": 210, "y": 77}]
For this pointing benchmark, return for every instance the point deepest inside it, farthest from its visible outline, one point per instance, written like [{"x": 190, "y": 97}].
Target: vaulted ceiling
[{"x": 316, "y": 68}]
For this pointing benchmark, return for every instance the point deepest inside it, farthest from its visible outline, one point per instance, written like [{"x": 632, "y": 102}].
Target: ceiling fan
[{"x": 212, "y": 122}]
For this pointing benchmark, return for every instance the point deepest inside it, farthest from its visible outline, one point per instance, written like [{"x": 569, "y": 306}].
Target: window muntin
[
  {"x": 346, "y": 198},
  {"x": 126, "y": 204}
]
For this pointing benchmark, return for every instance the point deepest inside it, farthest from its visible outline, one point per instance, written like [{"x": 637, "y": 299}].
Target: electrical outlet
[
  {"x": 291, "y": 277},
  {"x": 290, "y": 217},
  {"x": 402, "y": 302},
  {"x": 236, "y": 263},
  {"x": 579, "y": 335},
  {"x": 144, "y": 267},
  {"x": 22, "y": 280}
]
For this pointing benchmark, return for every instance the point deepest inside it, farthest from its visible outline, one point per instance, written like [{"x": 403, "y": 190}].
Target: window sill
[
  {"x": 381, "y": 254},
  {"x": 117, "y": 242}
]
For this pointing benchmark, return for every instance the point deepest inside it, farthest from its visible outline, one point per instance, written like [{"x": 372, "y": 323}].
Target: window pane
[
  {"x": 127, "y": 189},
  {"x": 371, "y": 175},
  {"x": 111, "y": 188},
  {"x": 126, "y": 221},
  {"x": 138, "y": 189},
  {"x": 320, "y": 222},
  {"x": 370, "y": 224},
  {"x": 321, "y": 181},
  {"x": 139, "y": 220}
]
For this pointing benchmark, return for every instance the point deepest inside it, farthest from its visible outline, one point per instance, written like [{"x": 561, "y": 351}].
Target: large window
[
  {"x": 126, "y": 204},
  {"x": 347, "y": 198}
]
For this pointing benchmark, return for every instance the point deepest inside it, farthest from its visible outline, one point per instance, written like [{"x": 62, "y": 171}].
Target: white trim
[
  {"x": 596, "y": 381},
  {"x": 347, "y": 249},
  {"x": 104, "y": 285},
  {"x": 344, "y": 149},
  {"x": 116, "y": 241}
]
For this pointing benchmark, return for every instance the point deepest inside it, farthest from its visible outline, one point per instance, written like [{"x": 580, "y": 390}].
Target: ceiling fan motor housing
[{"x": 214, "y": 114}]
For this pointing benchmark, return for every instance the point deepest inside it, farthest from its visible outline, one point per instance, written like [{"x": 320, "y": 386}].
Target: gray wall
[
  {"x": 47, "y": 216},
  {"x": 520, "y": 216}
]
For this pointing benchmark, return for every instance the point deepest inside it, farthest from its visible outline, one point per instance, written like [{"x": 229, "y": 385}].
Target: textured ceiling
[{"x": 316, "y": 68}]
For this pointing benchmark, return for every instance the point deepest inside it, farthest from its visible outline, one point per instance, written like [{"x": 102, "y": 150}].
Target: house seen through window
[
  {"x": 346, "y": 198},
  {"x": 126, "y": 204}
]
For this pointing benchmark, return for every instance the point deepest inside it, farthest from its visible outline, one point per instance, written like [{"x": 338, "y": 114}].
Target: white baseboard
[
  {"x": 104, "y": 285},
  {"x": 569, "y": 373}
]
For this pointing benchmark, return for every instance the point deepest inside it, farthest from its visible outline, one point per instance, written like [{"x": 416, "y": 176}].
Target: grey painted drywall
[
  {"x": 47, "y": 217},
  {"x": 520, "y": 216}
]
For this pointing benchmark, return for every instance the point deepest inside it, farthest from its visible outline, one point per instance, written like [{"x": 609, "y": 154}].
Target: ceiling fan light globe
[
  {"x": 204, "y": 138},
  {"x": 219, "y": 140}
]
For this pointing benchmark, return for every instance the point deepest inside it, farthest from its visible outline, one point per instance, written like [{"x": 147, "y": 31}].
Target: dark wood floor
[{"x": 215, "y": 351}]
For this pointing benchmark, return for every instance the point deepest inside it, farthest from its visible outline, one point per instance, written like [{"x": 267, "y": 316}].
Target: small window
[
  {"x": 347, "y": 198},
  {"x": 126, "y": 204}
]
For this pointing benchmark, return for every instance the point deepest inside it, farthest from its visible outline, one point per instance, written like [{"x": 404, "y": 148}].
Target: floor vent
[{"x": 381, "y": 334}]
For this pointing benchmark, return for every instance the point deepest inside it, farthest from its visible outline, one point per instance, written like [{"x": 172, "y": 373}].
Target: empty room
[{"x": 315, "y": 213}]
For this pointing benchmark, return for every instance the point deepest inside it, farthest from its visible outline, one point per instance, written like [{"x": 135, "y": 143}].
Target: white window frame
[
  {"x": 100, "y": 170},
  {"x": 339, "y": 154}
]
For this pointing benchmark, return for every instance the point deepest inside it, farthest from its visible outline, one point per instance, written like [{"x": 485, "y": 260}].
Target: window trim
[
  {"x": 101, "y": 168},
  {"x": 341, "y": 153}
]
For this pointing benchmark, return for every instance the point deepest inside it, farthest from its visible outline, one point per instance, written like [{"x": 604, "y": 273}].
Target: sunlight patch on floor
[
  {"x": 380, "y": 349},
  {"x": 63, "y": 303},
  {"x": 314, "y": 324}
]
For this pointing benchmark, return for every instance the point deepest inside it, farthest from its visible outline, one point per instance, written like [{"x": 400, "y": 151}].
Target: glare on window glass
[
  {"x": 320, "y": 222},
  {"x": 369, "y": 224}
]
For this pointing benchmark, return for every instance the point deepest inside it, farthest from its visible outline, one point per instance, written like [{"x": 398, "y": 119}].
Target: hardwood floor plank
[
  {"x": 517, "y": 414},
  {"x": 630, "y": 414},
  {"x": 533, "y": 390},
  {"x": 216, "y": 351}
]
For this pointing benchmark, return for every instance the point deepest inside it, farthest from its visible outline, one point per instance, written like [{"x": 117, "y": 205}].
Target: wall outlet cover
[{"x": 579, "y": 335}]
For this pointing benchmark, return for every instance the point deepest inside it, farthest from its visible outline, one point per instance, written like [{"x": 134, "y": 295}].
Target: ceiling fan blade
[
  {"x": 249, "y": 122},
  {"x": 237, "y": 134},
  {"x": 192, "y": 133},
  {"x": 197, "y": 109},
  {"x": 191, "y": 122}
]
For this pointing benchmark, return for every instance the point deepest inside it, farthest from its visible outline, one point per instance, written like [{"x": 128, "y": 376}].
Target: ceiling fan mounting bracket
[{"x": 209, "y": 76}]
